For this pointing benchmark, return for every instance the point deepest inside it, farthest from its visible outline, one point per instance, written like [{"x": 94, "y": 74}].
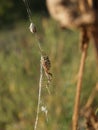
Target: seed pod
[{"x": 32, "y": 28}]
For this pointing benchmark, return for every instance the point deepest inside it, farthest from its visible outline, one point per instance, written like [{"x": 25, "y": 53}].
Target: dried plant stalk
[
  {"x": 92, "y": 96},
  {"x": 79, "y": 83},
  {"x": 91, "y": 119},
  {"x": 78, "y": 91}
]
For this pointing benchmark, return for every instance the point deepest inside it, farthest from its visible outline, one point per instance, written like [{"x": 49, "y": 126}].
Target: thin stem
[
  {"x": 39, "y": 44},
  {"x": 39, "y": 96},
  {"x": 92, "y": 96},
  {"x": 78, "y": 90}
]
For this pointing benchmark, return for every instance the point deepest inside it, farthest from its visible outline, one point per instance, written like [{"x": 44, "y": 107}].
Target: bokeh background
[{"x": 20, "y": 69}]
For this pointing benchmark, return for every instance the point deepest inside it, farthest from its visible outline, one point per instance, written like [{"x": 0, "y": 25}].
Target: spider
[{"x": 46, "y": 65}]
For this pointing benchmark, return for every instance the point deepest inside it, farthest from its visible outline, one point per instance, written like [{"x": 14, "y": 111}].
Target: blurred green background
[{"x": 20, "y": 69}]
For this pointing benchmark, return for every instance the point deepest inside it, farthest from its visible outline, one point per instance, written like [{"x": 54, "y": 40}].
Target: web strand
[
  {"x": 28, "y": 10},
  {"x": 39, "y": 95}
]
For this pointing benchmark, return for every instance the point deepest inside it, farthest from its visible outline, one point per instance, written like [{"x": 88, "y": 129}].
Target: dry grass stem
[
  {"x": 79, "y": 83},
  {"x": 92, "y": 96}
]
